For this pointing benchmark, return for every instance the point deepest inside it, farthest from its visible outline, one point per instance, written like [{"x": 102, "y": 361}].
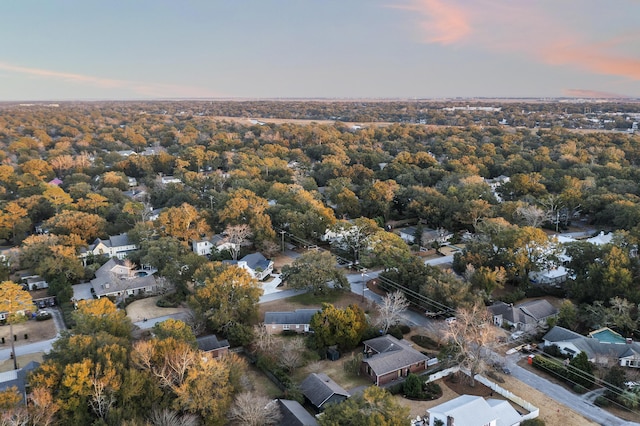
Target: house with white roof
[{"x": 471, "y": 410}]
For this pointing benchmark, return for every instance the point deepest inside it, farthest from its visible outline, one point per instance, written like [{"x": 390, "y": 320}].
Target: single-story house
[
  {"x": 387, "y": 358},
  {"x": 18, "y": 379},
  {"x": 294, "y": 414},
  {"x": 320, "y": 391},
  {"x": 256, "y": 264},
  {"x": 116, "y": 279},
  {"x": 34, "y": 282},
  {"x": 298, "y": 320},
  {"x": 117, "y": 246},
  {"x": 526, "y": 316},
  {"x": 604, "y": 346},
  {"x": 211, "y": 345},
  {"x": 471, "y": 410}
]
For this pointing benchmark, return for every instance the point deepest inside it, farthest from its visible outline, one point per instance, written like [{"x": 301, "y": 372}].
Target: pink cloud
[
  {"x": 140, "y": 88},
  {"x": 586, "y": 93},
  {"x": 528, "y": 29}
]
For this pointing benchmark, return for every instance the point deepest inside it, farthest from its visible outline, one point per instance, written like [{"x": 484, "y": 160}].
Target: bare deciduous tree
[
  {"x": 171, "y": 418},
  {"x": 472, "y": 335},
  {"x": 531, "y": 215},
  {"x": 237, "y": 234},
  {"x": 390, "y": 310},
  {"x": 292, "y": 354},
  {"x": 250, "y": 409},
  {"x": 264, "y": 341}
]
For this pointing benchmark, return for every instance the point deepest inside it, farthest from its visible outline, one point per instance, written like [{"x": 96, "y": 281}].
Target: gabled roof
[
  {"x": 538, "y": 309},
  {"x": 318, "y": 388},
  {"x": 294, "y": 414},
  {"x": 211, "y": 343},
  {"x": 391, "y": 355},
  {"x": 561, "y": 334},
  {"x": 299, "y": 316},
  {"x": 256, "y": 260},
  {"x": 470, "y": 410},
  {"x": 17, "y": 378}
]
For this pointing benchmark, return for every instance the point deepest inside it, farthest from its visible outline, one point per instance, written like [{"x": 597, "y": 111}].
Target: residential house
[
  {"x": 429, "y": 235},
  {"x": 298, "y": 320},
  {"x": 117, "y": 246},
  {"x": 211, "y": 345},
  {"x": 206, "y": 246},
  {"x": 18, "y": 379},
  {"x": 471, "y": 410},
  {"x": 258, "y": 266},
  {"x": 387, "y": 358},
  {"x": 603, "y": 347},
  {"x": 165, "y": 180},
  {"x": 294, "y": 414},
  {"x": 116, "y": 279},
  {"x": 34, "y": 282},
  {"x": 526, "y": 316},
  {"x": 320, "y": 391}
]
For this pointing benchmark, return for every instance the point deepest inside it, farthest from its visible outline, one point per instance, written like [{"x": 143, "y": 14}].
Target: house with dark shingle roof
[
  {"x": 256, "y": 264},
  {"x": 623, "y": 352},
  {"x": 525, "y": 316},
  {"x": 320, "y": 391},
  {"x": 211, "y": 345},
  {"x": 17, "y": 379},
  {"x": 387, "y": 358},
  {"x": 298, "y": 320},
  {"x": 294, "y": 414}
]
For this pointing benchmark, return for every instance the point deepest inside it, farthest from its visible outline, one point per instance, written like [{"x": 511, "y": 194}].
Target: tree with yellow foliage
[{"x": 14, "y": 302}]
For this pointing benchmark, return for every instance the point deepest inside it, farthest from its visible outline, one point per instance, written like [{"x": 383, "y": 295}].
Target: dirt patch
[
  {"x": 35, "y": 331},
  {"x": 146, "y": 308},
  {"x": 22, "y": 361}
]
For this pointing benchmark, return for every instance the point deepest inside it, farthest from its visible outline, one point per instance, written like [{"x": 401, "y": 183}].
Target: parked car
[{"x": 450, "y": 320}]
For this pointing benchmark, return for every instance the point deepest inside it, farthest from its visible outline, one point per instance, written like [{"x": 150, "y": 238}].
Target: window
[{"x": 286, "y": 327}]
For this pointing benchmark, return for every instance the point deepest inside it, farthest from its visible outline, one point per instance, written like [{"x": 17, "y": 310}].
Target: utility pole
[
  {"x": 364, "y": 284},
  {"x": 282, "y": 233}
]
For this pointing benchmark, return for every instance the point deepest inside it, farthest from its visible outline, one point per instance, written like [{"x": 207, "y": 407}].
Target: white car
[{"x": 450, "y": 320}]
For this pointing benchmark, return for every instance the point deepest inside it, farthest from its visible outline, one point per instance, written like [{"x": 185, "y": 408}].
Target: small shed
[{"x": 333, "y": 354}]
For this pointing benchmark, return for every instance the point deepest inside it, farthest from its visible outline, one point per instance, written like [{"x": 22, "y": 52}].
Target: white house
[
  {"x": 258, "y": 266},
  {"x": 429, "y": 235},
  {"x": 470, "y": 410},
  {"x": 206, "y": 246},
  {"x": 117, "y": 246},
  {"x": 604, "y": 346}
]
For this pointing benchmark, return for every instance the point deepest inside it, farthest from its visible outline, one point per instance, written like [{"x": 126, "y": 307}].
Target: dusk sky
[{"x": 148, "y": 49}]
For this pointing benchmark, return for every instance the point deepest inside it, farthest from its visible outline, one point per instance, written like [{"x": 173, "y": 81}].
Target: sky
[{"x": 167, "y": 49}]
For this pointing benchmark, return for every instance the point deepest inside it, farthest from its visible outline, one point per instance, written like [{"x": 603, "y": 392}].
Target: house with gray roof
[
  {"x": 387, "y": 359},
  {"x": 603, "y": 348},
  {"x": 211, "y": 345},
  {"x": 294, "y": 414},
  {"x": 298, "y": 321},
  {"x": 18, "y": 379},
  {"x": 117, "y": 279},
  {"x": 525, "y": 316},
  {"x": 118, "y": 246},
  {"x": 320, "y": 390},
  {"x": 471, "y": 410},
  {"x": 256, "y": 264}
]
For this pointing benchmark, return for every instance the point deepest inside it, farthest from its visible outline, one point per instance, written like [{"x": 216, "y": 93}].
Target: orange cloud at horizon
[
  {"x": 147, "y": 89},
  {"x": 526, "y": 29}
]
